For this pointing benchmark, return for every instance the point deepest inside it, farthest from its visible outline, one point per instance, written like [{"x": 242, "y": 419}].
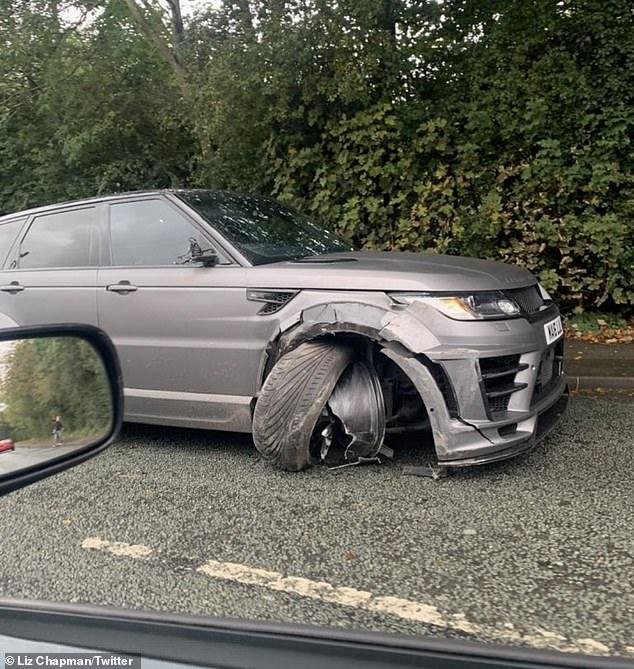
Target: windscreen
[{"x": 263, "y": 230}]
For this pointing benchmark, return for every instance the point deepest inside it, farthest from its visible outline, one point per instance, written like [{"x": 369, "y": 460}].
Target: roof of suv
[{"x": 89, "y": 200}]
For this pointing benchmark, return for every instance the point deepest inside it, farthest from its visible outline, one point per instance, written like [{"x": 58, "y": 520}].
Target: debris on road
[
  {"x": 359, "y": 461},
  {"x": 430, "y": 471}
]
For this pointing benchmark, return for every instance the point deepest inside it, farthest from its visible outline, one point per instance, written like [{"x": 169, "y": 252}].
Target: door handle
[
  {"x": 122, "y": 287},
  {"x": 13, "y": 287}
]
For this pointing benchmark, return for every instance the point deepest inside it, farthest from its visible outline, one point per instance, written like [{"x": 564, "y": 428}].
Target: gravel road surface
[{"x": 536, "y": 551}]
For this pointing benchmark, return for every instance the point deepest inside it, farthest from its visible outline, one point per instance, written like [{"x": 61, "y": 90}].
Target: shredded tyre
[{"x": 292, "y": 399}]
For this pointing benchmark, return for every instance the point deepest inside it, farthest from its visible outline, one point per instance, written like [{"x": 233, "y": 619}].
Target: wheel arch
[
  {"x": 399, "y": 330},
  {"x": 292, "y": 335},
  {"x": 399, "y": 336}
]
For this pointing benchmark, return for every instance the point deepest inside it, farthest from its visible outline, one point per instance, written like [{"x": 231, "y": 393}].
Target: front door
[{"x": 181, "y": 330}]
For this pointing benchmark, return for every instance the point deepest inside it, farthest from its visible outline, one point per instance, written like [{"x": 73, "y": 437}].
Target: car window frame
[
  {"x": 18, "y": 235},
  {"x": 212, "y": 232},
  {"x": 106, "y": 261},
  {"x": 13, "y": 259},
  {"x": 214, "y": 641}
]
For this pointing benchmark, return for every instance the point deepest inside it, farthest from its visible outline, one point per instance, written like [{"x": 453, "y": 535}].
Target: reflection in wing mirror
[{"x": 60, "y": 400}]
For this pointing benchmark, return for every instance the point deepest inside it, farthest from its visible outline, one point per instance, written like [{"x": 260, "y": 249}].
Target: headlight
[{"x": 477, "y": 306}]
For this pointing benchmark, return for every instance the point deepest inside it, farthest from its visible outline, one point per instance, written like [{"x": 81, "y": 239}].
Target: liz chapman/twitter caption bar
[{"x": 12, "y": 660}]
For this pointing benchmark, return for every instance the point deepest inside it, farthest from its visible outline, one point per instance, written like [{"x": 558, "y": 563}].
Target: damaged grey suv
[{"x": 233, "y": 312}]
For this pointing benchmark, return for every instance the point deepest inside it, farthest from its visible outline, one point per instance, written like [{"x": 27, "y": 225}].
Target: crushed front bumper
[
  {"x": 530, "y": 431},
  {"x": 485, "y": 407},
  {"x": 455, "y": 367}
]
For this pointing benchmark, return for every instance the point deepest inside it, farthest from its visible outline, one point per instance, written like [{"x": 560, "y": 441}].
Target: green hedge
[
  {"x": 495, "y": 128},
  {"x": 527, "y": 156}
]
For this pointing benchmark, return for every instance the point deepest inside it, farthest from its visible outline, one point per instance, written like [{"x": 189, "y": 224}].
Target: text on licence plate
[{"x": 553, "y": 330}]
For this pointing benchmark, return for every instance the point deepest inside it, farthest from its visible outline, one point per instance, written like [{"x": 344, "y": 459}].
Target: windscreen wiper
[{"x": 321, "y": 259}]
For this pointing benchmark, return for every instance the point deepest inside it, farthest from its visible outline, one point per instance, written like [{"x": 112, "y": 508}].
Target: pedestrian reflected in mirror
[{"x": 54, "y": 400}]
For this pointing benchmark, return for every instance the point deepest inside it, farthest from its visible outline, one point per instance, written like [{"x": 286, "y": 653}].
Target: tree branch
[
  {"x": 161, "y": 44},
  {"x": 178, "y": 31}
]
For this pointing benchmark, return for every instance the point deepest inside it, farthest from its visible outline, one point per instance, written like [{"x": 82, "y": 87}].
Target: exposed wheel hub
[{"x": 356, "y": 411}]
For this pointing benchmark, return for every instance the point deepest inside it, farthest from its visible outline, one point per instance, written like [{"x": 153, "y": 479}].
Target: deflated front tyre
[{"x": 292, "y": 400}]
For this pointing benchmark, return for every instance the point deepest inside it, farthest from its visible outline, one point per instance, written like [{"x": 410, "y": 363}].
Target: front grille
[
  {"x": 549, "y": 372},
  {"x": 499, "y": 404},
  {"x": 528, "y": 299},
  {"x": 503, "y": 364},
  {"x": 498, "y": 381}
]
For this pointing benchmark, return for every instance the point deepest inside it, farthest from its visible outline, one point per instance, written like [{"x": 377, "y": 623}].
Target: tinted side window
[
  {"x": 8, "y": 232},
  {"x": 149, "y": 232},
  {"x": 62, "y": 239}
]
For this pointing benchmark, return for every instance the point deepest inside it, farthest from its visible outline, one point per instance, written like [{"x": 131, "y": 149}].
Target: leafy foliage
[
  {"x": 83, "y": 112},
  {"x": 600, "y": 328},
  {"x": 49, "y": 377},
  {"x": 494, "y": 128}
]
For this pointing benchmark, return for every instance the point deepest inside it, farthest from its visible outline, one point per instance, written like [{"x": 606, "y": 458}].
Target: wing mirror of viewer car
[{"x": 61, "y": 400}]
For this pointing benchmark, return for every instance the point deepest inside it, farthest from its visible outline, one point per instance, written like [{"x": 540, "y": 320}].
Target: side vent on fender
[{"x": 273, "y": 300}]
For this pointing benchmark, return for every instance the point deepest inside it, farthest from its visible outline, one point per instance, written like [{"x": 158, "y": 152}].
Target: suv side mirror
[
  {"x": 61, "y": 400},
  {"x": 207, "y": 258}
]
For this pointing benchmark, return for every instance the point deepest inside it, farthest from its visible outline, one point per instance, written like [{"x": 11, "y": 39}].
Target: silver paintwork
[{"x": 193, "y": 349}]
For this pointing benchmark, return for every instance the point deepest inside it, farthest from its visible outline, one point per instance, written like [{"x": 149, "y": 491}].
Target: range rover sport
[{"x": 234, "y": 312}]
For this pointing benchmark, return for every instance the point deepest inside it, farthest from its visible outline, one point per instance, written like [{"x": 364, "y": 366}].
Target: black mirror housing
[
  {"x": 207, "y": 259},
  {"x": 35, "y": 461}
]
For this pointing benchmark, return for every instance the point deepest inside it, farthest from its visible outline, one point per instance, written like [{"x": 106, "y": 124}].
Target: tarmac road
[
  {"x": 26, "y": 456},
  {"x": 536, "y": 551}
]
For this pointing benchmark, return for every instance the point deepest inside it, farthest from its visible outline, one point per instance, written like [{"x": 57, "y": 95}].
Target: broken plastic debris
[
  {"x": 326, "y": 443},
  {"x": 360, "y": 461},
  {"x": 426, "y": 470},
  {"x": 386, "y": 451}
]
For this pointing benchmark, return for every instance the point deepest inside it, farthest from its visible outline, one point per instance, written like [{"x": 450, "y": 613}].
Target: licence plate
[{"x": 553, "y": 330}]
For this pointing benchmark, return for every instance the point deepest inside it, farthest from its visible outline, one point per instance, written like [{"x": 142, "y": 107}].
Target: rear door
[
  {"x": 50, "y": 273},
  {"x": 9, "y": 233},
  {"x": 181, "y": 330}
]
